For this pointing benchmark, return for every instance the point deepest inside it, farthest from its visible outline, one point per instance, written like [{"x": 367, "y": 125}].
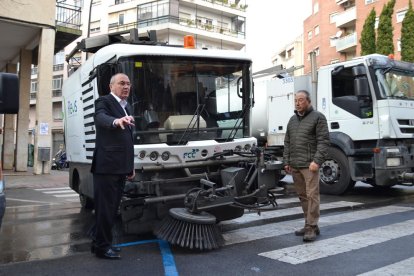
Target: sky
[{"x": 272, "y": 24}]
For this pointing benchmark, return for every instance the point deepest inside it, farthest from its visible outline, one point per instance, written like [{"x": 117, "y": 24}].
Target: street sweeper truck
[
  {"x": 195, "y": 163},
  {"x": 369, "y": 106}
]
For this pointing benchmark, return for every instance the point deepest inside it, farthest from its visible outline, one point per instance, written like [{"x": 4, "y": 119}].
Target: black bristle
[{"x": 190, "y": 235}]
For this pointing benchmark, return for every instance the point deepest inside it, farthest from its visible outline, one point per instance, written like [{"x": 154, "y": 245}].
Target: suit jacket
[{"x": 114, "y": 147}]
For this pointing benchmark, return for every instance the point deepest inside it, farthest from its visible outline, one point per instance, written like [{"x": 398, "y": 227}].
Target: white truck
[
  {"x": 192, "y": 114},
  {"x": 369, "y": 106}
]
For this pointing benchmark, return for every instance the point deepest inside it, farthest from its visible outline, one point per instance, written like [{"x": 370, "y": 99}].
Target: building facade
[{"x": 334, "y": 28}]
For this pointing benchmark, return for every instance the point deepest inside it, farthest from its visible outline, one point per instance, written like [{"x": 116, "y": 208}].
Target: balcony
[
  {"x": 346, "y": 18},
  {"x": 347, "y": 43},
  {"x": 68, "y": 23},
  {"x": 114, "y": 27}
]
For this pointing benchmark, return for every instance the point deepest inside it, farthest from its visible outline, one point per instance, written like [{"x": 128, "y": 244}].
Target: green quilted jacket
[{"x": 306, "y": 140}]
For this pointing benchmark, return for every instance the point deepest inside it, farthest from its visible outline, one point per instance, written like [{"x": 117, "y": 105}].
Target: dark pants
[{"x": 108, "y": 190}]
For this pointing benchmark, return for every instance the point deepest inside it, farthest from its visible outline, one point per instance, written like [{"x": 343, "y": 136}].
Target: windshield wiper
[
  {"x": 238, "y": 123},
  {"x": 196, "y": 115}
]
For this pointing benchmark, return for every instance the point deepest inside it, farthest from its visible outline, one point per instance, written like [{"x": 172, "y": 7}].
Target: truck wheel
[
  {"x": 335, "y": 178},
  {"x": 86, "y": 202}
]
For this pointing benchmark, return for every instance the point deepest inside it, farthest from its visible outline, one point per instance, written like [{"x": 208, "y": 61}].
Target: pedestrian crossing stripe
[
  {"x": 399, "y": 268},
  {"x": 251, "y": 217},
  {"x": 288, "y": 227},
  {"x": 324, "y": 248},
  {"x": 59, "y": 192}
]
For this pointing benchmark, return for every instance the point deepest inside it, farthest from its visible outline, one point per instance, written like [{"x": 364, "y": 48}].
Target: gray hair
[{"x": 307, "y": 94}]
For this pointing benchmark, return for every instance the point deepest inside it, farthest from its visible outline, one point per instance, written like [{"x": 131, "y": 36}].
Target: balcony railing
[
  {"x": 58, "y": 67},
  {"x": 346, "y": 44},
  {"x": 68, "y": 16},
  {"x": 114, "y": 27},
  {"x": 226, "y": 3},
  {"x": 346, "y": 18}
]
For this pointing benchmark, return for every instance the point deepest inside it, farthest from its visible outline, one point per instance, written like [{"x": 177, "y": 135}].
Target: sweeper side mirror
[{"x": 9, "y": 93}]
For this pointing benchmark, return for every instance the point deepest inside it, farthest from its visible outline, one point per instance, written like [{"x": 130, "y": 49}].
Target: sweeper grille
[{"x": 194, "y": 231}]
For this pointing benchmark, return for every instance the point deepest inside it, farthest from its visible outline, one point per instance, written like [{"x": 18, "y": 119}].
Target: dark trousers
[{"x": 108, "y": 190}]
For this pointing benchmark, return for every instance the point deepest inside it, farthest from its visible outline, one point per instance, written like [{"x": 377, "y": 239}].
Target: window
[
  {"x": 367, "y": 2},
  {"x": 309, "y": 35},
  {"x": 345, "y": 95},
  {"x": 57, "y": 86},
  {"x": 121, "y": 19},
  {"x": 332, "y": 41},
  {"x": 316, "y": 51},
  {"x": 400, "y": 16},
  {"x": 316, "y": 8},
  {"x": 95, "y": 26},
  {"x": 316, "y": 30},
  {"x": 332, "y": 17},
  {"x": 33, "y": 86},
  {"x": 333, "y": 61},
  {"x": 376, "y": 22},
  {"x": 399, "y": 45}
]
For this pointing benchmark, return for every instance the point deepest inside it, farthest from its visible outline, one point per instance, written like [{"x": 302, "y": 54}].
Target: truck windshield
[
  {"x": 180, "y": 99},
  {"x": 395, "y": 84}
]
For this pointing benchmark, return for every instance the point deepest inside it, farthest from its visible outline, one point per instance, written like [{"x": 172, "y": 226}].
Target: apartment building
[
  {"x": 334, "y": 28},
  {"x": 291, "y": 56},
  {"x": 215, "y": 24}
]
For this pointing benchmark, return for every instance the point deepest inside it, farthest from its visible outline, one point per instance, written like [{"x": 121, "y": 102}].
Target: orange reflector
[
  {"x": 376, "y": 150},
  {"x": 189, "y": 42},
  {"x": 391, "y": 56}
]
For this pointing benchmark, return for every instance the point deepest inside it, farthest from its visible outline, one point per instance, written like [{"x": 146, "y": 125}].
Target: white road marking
[
  {"x": 67, "y": 195},
  {"x": 286, "y": 227},
  {"x": 405, "y": 267},
  {"x": 250, "y": 217},
  {"x": 59, "y": 192},
  {"x": 324, "y": 248},
  {"x": 55, "y": 188}
]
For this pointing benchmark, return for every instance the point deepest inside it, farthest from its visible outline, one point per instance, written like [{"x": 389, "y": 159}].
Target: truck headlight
[{"x": 393, "y": 162}]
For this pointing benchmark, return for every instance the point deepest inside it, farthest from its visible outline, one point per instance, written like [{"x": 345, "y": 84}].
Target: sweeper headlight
[
  {"x": 165, "y": 156},
  {"x": 142, "y": 154},
  {"x": 238, "y": 148},
  {"x": 153, "y": 156},
  {"x": 247, "y": 147}
]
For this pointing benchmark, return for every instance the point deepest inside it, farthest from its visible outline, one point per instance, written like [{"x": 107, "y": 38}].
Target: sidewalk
[{"x": 27, "y": 179}]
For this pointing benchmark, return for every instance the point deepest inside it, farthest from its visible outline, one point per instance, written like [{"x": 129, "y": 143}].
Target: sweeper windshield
[{"x": 180, "y": 99}]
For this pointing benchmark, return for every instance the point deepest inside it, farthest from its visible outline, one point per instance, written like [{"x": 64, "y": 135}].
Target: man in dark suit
[{"x": 113, "y": 161}]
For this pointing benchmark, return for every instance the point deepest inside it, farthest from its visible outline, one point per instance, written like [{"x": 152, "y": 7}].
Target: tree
[
  {"x": 367, "y": 39},
  {"x": 407, "y": 35},
  {"x": 385, "y": 44}
]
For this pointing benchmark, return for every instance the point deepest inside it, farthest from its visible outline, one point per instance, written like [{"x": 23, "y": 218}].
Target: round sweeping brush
[{"x": 190, "y": 230}]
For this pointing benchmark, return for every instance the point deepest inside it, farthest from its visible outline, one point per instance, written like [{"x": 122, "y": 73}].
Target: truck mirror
[
  {"x": 9, "y": 93},
  {"x": 359, "y": 70},
  {"x": 337, "y": 69},
  {"x": 361, "y": 87}
]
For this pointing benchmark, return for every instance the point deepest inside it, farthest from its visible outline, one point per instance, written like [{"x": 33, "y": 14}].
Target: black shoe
[
  {"x": 108, "y": 254},
  {"x": 116, "y": 249}
]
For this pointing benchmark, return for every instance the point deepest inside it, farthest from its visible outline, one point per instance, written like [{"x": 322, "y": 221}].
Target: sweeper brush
[{"x": 194, "y": 231}]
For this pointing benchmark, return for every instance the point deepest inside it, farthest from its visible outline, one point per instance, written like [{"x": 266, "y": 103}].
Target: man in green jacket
[{"x": 306, "y": 146}]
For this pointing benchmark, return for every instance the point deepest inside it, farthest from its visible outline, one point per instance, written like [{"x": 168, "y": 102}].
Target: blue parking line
[{"x": 167, "y": 257}]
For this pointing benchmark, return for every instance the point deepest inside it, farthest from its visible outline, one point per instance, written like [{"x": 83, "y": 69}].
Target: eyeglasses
[{"x": 124, "y": 83}]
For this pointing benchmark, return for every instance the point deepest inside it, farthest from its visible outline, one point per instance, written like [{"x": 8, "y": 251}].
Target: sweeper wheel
[{"x": 190, "y": 230}]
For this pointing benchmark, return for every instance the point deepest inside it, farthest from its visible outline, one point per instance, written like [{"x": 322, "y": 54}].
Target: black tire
[
  {"x": 335, "y": 177},
  {"x": 86, "y": 202}
]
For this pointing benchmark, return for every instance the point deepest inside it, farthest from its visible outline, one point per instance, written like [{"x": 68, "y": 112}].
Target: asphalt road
[{"x": 44, "y": 233}]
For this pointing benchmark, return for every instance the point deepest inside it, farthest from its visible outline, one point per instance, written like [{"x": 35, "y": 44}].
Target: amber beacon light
[{"x": 189, "y": 42}]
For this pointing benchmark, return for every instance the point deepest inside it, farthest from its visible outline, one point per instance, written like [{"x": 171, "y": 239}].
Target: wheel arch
[{"x": 343, "y": 142}]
